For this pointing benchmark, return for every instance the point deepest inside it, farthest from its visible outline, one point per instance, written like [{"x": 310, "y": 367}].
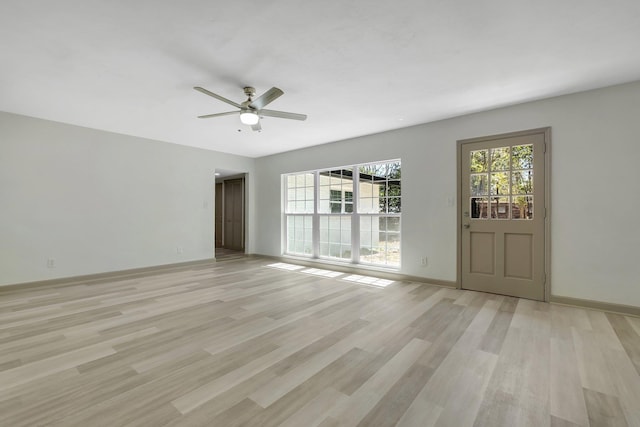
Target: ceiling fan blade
[
  {"x": 266, "y": 98},
  {"x": 218, "y": 97},
  {"x": 208, "y": 116},
  {"x": 282, "y": 114},
  {"x": 256, "y": 127}
]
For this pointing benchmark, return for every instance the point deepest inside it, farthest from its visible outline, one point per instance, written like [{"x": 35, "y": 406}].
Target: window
[{"x": 340, "y": 215}]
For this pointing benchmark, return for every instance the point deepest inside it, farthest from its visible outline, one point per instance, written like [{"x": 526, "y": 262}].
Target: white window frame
[{"x": 355, "y": 218}]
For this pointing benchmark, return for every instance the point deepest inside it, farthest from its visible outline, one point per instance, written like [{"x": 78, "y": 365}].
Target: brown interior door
[
  {"x": 503, "y": 214},
  {"x": 234, "y": 214},
  {"x": 218, "y": 215}
]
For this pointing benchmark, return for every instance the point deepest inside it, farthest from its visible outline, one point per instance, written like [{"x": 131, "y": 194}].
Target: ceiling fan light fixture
[{"x": 249, "y": 118}]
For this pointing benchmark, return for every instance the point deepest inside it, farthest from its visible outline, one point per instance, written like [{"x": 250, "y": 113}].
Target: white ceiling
[{"x": 355, "y": 67}]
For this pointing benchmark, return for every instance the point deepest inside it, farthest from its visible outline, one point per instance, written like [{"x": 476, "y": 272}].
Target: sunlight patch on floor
[
  {"x": 353, "y": 278},
  {"x": 323, "y": 273},
  {"x": 285, "y": 266},
  {"x": 368, "y": 280}
]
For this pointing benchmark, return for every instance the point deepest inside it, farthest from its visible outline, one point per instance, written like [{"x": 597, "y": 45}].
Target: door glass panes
[
  {"x": 300, "y": 234},
  {"x": 335, "y": 236},
  {"x": 300, "y": 193},
  {"x": 500, "y": 183},
  {"x": 479, "y": 160},
  {"x": 522, "y": 207},
  {"x": 499, "y": 207},
  {"x": 479, "y": 185},
  {"x": 500, "y": 159},
  {"x": 479, "y": 207},
  {"x": 522, "y": 182},
  {"x": 505, "y": 174},
  {"x": 522, "y": 157}
]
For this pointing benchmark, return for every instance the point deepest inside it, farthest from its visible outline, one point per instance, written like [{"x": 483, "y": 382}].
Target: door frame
[{"x": 546, "y": 131}]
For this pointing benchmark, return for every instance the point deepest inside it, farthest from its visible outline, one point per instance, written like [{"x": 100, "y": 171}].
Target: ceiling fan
[{"x": 252, "y": 110}]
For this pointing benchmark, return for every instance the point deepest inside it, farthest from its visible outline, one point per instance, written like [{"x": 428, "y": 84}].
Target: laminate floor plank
[{"x": 252, "y": 342}]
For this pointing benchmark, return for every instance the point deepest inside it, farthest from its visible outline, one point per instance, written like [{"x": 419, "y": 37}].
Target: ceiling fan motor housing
[{"x": 250, "y": 91}]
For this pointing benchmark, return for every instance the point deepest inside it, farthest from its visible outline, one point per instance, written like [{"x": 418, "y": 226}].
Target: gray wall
[
  {"x": 594, "y": 188},
  {"x": 97, "y": 201}
]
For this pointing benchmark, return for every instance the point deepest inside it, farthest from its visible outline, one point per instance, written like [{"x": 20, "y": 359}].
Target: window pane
[
  {"x": 309, "y": 180},
  {"x": 393, "y": 188},
  {"x": 394, "y": 205},
  {"x": 382, "y": 205},
  {"x": 522, "y": 207},
  {"x": 500, "y": 183},
  {"x": 393, "y": 224},
  {"x": 394, "y": 170},
  {"x": 366, "y": 205},
  {"x": 522, "y": 182},
  {"x": 325, "y": 192},
  {"x": 500, "y": 159},
  {"x": 479, "y": 207},
  {"x": 309, "y": 193},
  {"x": 499, "y": 207},
  {"x": 479, "y": 184},
  {"x": 348, "y": 196},
  {"x": 308, "y": 206},
  {"x": 522, "y": 157},
  {"x": 479, "y": 161}
]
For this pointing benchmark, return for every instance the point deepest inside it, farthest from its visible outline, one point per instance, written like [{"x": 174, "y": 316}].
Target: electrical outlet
[
  {"x": 423, "y": 260},
  {"x": 179, "y": 250},
  {"x": 51, "y": 263}
]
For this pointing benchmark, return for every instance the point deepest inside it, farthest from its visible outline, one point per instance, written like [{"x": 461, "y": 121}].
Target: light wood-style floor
[{"x": 244, "y": 343}]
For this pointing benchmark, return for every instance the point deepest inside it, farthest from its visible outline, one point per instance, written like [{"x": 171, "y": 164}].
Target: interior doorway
[{"x": 230, "y": 212}]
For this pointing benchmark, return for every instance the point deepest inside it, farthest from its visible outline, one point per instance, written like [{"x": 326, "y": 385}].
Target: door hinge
[{"x": 544, "y": 147}]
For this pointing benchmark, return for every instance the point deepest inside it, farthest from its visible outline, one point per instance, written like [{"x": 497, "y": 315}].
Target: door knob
[{"x": 467, "y": 225}]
